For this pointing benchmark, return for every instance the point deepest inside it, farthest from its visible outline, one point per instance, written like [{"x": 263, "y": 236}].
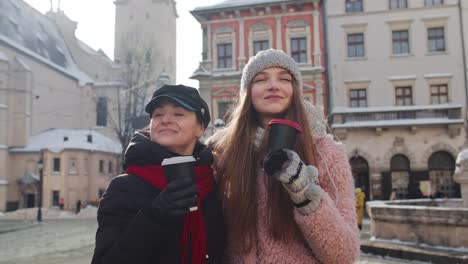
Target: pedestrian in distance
[
  {"x": 360, "y": 204},
  {"x": 61, "y": 203},
  {"x": 144, "y": 216},
  {"x": 78, "y": 206},
  {"x": 289, "y": 205}
]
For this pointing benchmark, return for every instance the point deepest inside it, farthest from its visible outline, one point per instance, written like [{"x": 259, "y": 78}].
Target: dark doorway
[
  {"x": 441, "y": 167},
  {"x": 360, "y": 169},
  {"x": 30, "y": 200},
  {"x": 400, "y": 175}
]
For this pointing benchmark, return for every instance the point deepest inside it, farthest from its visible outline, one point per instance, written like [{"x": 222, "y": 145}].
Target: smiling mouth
[
  {"x": 274, "y": 97},
  {"x": 167, "y": 131}
]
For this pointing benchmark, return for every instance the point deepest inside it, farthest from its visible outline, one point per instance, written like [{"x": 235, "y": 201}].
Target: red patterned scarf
[{"x": 194, "y": 225}]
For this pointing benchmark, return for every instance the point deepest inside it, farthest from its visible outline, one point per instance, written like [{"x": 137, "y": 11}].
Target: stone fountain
[{"x": 436, "y": 222}]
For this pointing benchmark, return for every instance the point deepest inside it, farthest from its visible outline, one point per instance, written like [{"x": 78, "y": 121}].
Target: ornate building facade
[
  {"x": 233, "y": 31},
  {"x": 399, "y": 93}
]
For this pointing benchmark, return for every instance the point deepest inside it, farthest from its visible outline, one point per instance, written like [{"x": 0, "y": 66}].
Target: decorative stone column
[{"x": 461, "y": 175}]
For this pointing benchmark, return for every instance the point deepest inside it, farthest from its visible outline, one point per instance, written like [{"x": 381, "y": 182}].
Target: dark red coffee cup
[{"x": 283, "y": 134}]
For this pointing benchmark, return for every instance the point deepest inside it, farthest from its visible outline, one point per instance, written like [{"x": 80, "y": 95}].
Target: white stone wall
[
  {"x": 379, "y": 71},
  {"x": 154, "y": 24}
]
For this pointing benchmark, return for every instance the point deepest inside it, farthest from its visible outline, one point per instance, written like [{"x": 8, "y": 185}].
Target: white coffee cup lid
[{"x": 177, "y": 160}]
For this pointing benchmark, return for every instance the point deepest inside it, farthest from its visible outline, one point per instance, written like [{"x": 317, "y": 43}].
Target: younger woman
[{"x": 289, "y": 206}]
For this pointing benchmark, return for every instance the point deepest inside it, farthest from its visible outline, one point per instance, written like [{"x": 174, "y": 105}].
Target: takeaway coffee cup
[
  {"x": 283, "y": 134},
  {"x": 181, "y": 166}
]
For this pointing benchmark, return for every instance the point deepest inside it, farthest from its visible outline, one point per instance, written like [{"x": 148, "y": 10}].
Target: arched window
[{"x": 441, "y": 167}]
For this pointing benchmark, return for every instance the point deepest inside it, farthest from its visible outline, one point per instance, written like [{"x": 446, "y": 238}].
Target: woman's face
[
  {"x": 175, "y": 128},
  {"x": 272, "y": 91}
]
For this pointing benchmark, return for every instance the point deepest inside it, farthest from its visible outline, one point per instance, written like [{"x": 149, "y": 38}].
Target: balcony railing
[{"x": 347, "y": 117}]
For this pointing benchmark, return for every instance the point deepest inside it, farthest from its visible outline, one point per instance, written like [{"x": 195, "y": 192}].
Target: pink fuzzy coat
[{"x": 331, "y": 232}]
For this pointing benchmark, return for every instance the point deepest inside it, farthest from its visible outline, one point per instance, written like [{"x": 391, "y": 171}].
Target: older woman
[{"x": 142, "y": 218}]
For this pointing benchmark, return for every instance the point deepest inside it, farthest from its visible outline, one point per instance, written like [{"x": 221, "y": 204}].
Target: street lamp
[{"x": 40, "y": 165}]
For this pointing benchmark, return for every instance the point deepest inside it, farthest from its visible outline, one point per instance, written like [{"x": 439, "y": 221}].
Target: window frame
[
  {"x": 301, "y": 52},
  {"x": 262, "y": 43},
  {"x": 439, "y": 94},
  {"x": 397, "y": 4},
  {"x": 403, "y": 97},
  {"x": 101, "y": 166},
  {"x": 56, "y": 163},
  {"x": 358, "y": 98},
  {"x": 400, "y": 41},
  {"x": 350, "y": 46},
  {"x": 435, "y": 38},
  {"x": 354, "y": 6},
  {"x": 101, "y": 111},
  {"x": 433, "y": 2},
  {"x": 224, "y": 58}
]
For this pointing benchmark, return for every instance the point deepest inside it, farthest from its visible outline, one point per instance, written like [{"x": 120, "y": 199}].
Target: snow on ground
[{"x": 88, "y": 212}]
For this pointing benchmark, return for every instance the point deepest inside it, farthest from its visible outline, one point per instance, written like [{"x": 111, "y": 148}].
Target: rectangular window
[
  {"x": 436, "y": 39},
  {"x": 73, "y": 166},
  {"x": 110, "y": 168},
  {"x": 56, "y": 165},
  {"x": 101, "y": 166},
  {"x": 225, "y": 56},
  {"x": 404, "y": 95},
  {"x": 400, "y": 41},
  {"x": 439, "y": 94},
  {"x": 358, "y": 98},
  {"x": 433, "y": 2},
  {"x": 356, "y": 45},
  {"x": 55, "y": 198},
  {"x": 397, "y": 4},
  {"x": 353, "y": 6},
  {"x": 299, "y": 50},
  {"x": 223, "y": 108},
  {"x": 260, "y": 45},
  {"x": 101, "y": 112}
]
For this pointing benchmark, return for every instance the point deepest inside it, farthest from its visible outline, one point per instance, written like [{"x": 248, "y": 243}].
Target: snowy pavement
[
  {"x": 51, "y": 237},
  {"x": 71, "y": 241}
]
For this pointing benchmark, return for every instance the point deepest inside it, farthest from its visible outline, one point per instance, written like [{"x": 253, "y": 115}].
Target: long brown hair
[{"x": 237, "y": 164}]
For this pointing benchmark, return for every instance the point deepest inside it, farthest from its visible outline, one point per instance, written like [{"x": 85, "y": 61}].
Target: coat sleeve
[
  {"x": 331, "y": 231},
  {"x": 126, "y": 230}
]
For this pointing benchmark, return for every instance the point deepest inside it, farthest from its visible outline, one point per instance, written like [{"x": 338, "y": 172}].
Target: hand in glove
[
  {"x": 273, "y": 161},
  {"x": 175, "y": 200},
  {"x": 300, "y": 180}
]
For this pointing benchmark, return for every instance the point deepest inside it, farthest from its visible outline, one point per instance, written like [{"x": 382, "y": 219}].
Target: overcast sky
[{"x": 96, "y": 19}]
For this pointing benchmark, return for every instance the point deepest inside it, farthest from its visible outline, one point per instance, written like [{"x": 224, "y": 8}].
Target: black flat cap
[{"x": 185, "y": 96}]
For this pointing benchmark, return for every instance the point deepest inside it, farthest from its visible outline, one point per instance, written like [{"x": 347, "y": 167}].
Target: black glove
[
  {"x": 175, "y": 200},
  {"x": 274, "y": 161}
]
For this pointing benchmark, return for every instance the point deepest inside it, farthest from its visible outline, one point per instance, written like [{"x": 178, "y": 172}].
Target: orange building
[{"x": 234, "y": 30}]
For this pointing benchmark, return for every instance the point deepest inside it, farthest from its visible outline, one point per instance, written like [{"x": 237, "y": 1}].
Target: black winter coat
[{"x": 128, "y": 232}]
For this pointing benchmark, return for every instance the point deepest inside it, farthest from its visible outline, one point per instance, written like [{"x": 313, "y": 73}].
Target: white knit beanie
[{"x": 267, "y": 59}]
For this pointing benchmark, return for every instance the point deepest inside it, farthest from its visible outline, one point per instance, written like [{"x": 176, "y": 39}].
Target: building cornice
[
  {"x": 202, "y": 14},
  {"x": 392, "y": 11}
]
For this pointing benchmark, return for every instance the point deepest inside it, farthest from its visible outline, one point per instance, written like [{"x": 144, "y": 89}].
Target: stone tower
[{"x": 147, "y": 24}]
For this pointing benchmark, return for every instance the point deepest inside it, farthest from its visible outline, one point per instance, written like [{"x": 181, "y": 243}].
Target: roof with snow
[
  {"x": 26, "y": 29},
  {"x": 57, "y": 140},
  {"x": 236, "y": 3},
  {"x": 28, "y": 178}
]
